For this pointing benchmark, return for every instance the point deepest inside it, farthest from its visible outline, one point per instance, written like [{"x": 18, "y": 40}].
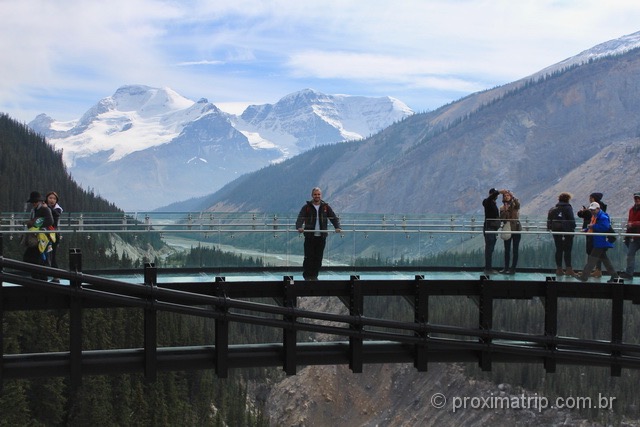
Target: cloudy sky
[{"x": 60, "y": 57}]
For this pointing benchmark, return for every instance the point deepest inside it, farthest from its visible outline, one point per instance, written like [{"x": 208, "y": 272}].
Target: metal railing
[
  {"x": 420, "y": 341},
  {"x": 273, "y": 235}
]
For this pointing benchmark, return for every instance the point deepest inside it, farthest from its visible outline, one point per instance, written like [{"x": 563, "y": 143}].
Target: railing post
[
  {"x": 617, "y": 309},
  {"x": 289, "y": 334},
  {"x": 75, "y": 320},
  {"x": 485, "y": 321},
  {"x": 150, "y": 324},
  {"x": 222, "y": 332},
  {"x": 551, "y": 322},
  {"x": 421, "y": 316},
  {"x": 1, "y": 323},
  {"x": 356, "y": 308}
]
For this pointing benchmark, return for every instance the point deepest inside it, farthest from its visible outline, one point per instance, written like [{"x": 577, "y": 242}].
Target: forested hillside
[{"x": 28, "y": 163}]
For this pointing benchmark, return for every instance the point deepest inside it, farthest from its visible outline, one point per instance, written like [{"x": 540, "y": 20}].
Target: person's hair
[
  {"x": 564, "y": 197},
  {"x": 314, "y": 189},
  {"x": 50, "y": 193}
]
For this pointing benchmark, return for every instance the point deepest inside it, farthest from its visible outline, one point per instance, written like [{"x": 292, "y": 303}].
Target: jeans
[
  {"x": 632, "y": 248},
  {"x": 489, "y": 246},
  {"x": 564, "y": 246},
  {"x": 598, "y": 254},
  {"x": 514, "y": 242}
]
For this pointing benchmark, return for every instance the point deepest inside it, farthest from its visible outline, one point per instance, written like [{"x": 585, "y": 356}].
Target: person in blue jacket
[{"x": 600, "y": 223}]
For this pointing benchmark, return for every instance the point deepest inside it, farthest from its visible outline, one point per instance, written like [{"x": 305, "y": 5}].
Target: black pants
[
  {"x": 32, "y": 255},
  {"x": 564, "y": 246},
  {"x": 313, "y": 252},
  {"x": 489, "y": 246}
]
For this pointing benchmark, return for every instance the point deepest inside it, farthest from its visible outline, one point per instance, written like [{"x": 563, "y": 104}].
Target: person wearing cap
[
  {"x": 585, "y": 214},
  {"x": 491, "y": 223},
  {"x": 600, "y": 223},
  {"x": 42, "y": 218},
  {"x": 632, "y": 242}
]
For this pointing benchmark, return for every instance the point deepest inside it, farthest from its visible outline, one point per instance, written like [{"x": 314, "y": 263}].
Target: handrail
[
  {"x": 216, "y": 301},
  {"x": 206, "y": 222}
]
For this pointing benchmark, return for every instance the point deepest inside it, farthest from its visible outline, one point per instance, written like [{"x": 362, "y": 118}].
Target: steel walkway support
[
  {"x": 221, "y": 352},
  {"x": 365, "y": 340},
  {"x": 150, "y": 324},
  {"x": 356, "y": 308},
  {"x": 550, "y": 322},
  {"x": 617, "y": 307},
  {"x": 421, "y": 317},
  {"x": 485, "y": 321},
  {"x": 75, "y": 320},
  {"x": 289, "y": 334}
]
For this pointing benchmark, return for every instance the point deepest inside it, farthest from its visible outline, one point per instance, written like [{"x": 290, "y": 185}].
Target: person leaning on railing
[{"x": 313, "y": 222}]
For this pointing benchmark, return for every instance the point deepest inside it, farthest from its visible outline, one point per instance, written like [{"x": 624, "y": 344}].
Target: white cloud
[{"x": 65, "y": 55}]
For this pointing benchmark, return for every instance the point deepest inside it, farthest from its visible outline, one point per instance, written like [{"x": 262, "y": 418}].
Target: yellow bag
[{"x": 43, "y": 242}]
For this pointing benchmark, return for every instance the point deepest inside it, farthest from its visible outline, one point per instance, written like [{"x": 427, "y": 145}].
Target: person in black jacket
[
  {"x": 491, "y": 223},
  {"x": 312, "y": 221},
  {"x": 585, "y": 214},
  {"x": 41, "y": 218},
  {"x": 564, "y": 242}
]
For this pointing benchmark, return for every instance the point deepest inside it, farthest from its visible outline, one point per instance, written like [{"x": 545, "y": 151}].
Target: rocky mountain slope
[
  {"x": 574, "y": 130},
  {"x": 399, "y": 395}
]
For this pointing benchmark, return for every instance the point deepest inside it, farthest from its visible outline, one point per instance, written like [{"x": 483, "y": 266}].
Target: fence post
[
  {"x": 485, "y": 321},
  {"x": 75, "y": 320},
  {"x": 617, "y": 309},
  {"x": 551, "y": 322},
  {"x": 222, "y": 332},
  {"x": 1, "y": 322},
  {"x": 421, "y": 316},
  {"x": 289, "y": 335},
  {"x": 150, "y": 324},
  {"x": 356, "y": 308}
]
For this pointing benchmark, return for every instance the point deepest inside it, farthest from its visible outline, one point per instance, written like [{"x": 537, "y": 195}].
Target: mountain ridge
[
  {"x": 528, "y": 137},
  {"x": 153, "y": 141}
]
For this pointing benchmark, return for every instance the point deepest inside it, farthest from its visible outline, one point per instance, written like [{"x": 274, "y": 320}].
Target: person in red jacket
[{"x": 632, "y": 242}]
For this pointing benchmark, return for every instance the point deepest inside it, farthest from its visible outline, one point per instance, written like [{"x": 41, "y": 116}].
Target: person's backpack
[
  {"x": 612, "y": 238},
  {"x": 555, "y": 219}
]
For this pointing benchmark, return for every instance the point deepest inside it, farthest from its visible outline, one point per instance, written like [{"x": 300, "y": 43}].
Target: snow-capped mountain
[
  {"x": 145, "y": 147},
  {"x": 304, "y": 119}
]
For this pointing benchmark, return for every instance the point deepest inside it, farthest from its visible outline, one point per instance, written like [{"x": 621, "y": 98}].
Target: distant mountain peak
[
  {"x": 164, "y": 142},
  {"x": 613, "y": 47}
]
